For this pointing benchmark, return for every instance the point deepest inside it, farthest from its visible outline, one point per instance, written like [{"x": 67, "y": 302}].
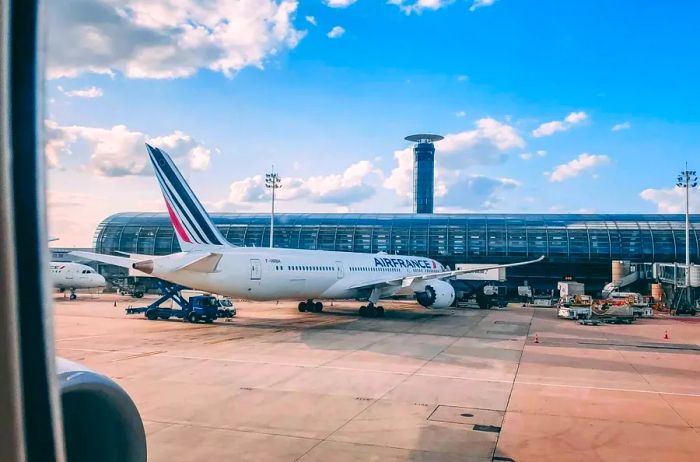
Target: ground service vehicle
[{"x": 197, "y": 308}]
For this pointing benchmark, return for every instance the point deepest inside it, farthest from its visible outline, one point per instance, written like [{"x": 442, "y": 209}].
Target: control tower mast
[{"x": 423, "y": 171}]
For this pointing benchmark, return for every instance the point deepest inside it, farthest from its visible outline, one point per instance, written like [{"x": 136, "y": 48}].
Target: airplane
[
  {"x": 208, "y": 262},
  {"x": 72, "y": 276}
]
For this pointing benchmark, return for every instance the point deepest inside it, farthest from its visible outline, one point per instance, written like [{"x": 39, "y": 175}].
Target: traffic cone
[
  {"x": 665, "y": 335},
  {"x": 115, "y": 303},
  {"x": 537, "y": 338}
]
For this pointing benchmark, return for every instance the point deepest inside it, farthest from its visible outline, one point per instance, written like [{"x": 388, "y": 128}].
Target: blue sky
[{"x": 527, "y": 93}]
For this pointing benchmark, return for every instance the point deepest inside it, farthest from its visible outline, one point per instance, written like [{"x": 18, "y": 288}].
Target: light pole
[
  {"x": 687, "y": 179},
  {"x": 274, "y": 182}
]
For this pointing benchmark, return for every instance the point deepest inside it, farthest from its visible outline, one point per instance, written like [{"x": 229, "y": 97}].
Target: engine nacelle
[
  {"x": 100, "y": 421},
  {"x": 436, "y": 294}
]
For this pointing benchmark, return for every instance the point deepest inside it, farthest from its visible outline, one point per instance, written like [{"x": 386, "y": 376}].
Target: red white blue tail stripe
[{"x": 191, "y": 222}]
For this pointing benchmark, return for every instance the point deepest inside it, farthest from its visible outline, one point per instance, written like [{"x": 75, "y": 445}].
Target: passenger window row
[{"x": 304, "y": 268}]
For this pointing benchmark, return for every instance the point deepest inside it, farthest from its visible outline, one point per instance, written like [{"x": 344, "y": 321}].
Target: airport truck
[
  {"x": 206, "y": 308},
  {"x": 575, "y": 307}
]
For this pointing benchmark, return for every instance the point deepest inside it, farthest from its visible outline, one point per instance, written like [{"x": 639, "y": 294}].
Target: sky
[{"x": 546, "y": 106}]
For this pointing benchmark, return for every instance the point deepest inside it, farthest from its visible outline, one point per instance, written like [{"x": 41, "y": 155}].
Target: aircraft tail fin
[{"x": 193, "y": 226}]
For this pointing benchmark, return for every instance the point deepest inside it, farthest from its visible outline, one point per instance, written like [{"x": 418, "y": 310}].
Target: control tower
[{"x": 423, "y": 171}]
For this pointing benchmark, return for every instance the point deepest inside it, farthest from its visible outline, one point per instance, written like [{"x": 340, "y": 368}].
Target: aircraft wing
[
  {"x": 406, "y": 281},
  {"x": 124, "y": 262}
]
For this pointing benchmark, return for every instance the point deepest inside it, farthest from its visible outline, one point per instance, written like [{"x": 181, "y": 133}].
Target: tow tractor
[{"x": 197, "y": 308}]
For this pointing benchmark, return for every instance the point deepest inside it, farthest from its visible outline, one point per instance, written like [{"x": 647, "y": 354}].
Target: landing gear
[
  {"x": 310, "y": 306},
  {"x": 72, "y": 294},
  {"x": 372, "y": 311}
]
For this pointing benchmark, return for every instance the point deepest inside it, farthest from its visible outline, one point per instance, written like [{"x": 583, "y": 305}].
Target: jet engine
[
  {"x": 100, "y": 421},
  {"x": 436, "y": 294}
]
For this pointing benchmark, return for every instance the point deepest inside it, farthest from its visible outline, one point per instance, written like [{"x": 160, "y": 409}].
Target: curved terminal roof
[{"x": 448, "y": 237}]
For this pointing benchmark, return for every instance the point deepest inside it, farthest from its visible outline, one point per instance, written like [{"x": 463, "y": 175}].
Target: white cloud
[
  {"x": 118, "y": 151},
  {"x": 462, "y": 78},
  {"x": 461, "y": 190},
  {"x": 549, "y": 128},
  {"x": 339, "y": 3},
  {"x": 621, "y": 126},
  {"x": 401, "y": 178},
  {"x": 343, "y": 189},
  {"x": 672, "y": 200},
  {"x": 418, "y": 6},
  {"x": 89, "y": 92},
  {"x": 311, "y": 20},
  {"x": 575, "y": 167},
  {"x": 460, "y": 114},
  {"x": 530, "y": 155},
  {"x": 336, "y": 32},
  {"x": 166, "y": 39},
  {"x": 576, "y": 117},
  {"x": 485, "y": 144},
  {"x": 476, "y": 4}
]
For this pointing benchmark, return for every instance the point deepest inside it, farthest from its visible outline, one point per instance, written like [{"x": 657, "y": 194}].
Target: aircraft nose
[{"x": 100, "y": 280}]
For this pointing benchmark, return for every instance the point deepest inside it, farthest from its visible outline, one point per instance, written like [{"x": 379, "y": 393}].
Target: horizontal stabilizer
[
  {"x": 124, "y": 262},
  {"x": 203, "y": 263},
  {"x": 135, "y": 256}
]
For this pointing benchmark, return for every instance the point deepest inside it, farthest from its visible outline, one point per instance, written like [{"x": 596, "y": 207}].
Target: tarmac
[{"x": 417, "y": 385}]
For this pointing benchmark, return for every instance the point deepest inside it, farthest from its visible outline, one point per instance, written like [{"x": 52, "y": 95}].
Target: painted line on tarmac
[
  {"x": 79, "y": 338},
  {"x": 91, "y": 350},
  {"x": 626, "y": 390},
  {"x": 440, "y": 376}
]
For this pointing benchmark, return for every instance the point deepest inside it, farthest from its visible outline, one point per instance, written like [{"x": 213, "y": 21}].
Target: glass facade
[
  {"x": 423, "y": 177},
  {"x": 458, "y": 238}
]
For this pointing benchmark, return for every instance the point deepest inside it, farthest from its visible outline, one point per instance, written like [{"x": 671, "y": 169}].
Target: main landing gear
[
  {"x": 310, "y": 306},
  {"x": 72, "y": 294},
  {"x": 372, "y": 311}
]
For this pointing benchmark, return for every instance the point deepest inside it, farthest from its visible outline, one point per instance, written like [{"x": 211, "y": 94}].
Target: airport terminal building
[{"x": 576, "y": 246}]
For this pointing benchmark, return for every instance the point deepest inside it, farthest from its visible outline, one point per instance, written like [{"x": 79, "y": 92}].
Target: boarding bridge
[{"x": 674, "y": 274}]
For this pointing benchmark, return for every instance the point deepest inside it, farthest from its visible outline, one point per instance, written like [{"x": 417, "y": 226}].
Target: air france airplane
[
  {"x": 72, "y": 276},
  {"x": 210, "y": 263}
]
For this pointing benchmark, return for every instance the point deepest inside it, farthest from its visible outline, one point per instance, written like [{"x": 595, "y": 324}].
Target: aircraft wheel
[
  {"x": 318, "y": 307},
  {"x": 302, "y": 307},
  {"x": 372, "y": 311},
  {"x": 380, "y": 311},
  {"x": 363, "y": 310},
  {"x": 73, "y": 296}
]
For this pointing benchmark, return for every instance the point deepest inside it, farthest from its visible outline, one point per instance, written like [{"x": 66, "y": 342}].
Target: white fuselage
[
  {"x": 272, "y": 274},
  {"x": 75, "y": 276}
]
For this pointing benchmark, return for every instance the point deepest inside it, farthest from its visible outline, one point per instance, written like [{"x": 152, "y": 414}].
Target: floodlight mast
[
  {"x": 687, "y": 179},
  {"x": 273, "y": 182}
]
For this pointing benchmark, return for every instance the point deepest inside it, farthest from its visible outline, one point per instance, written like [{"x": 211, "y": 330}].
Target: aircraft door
[
  {"x": 339, "y": 269},
  {"x": 255, "y": 269}
]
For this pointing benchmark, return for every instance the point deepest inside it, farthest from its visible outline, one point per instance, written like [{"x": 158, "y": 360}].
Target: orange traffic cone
[
  {"x": 537, "y": 338},
  {"x": 665, "y": 335},
  {"x": 115, "y": 303}
]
